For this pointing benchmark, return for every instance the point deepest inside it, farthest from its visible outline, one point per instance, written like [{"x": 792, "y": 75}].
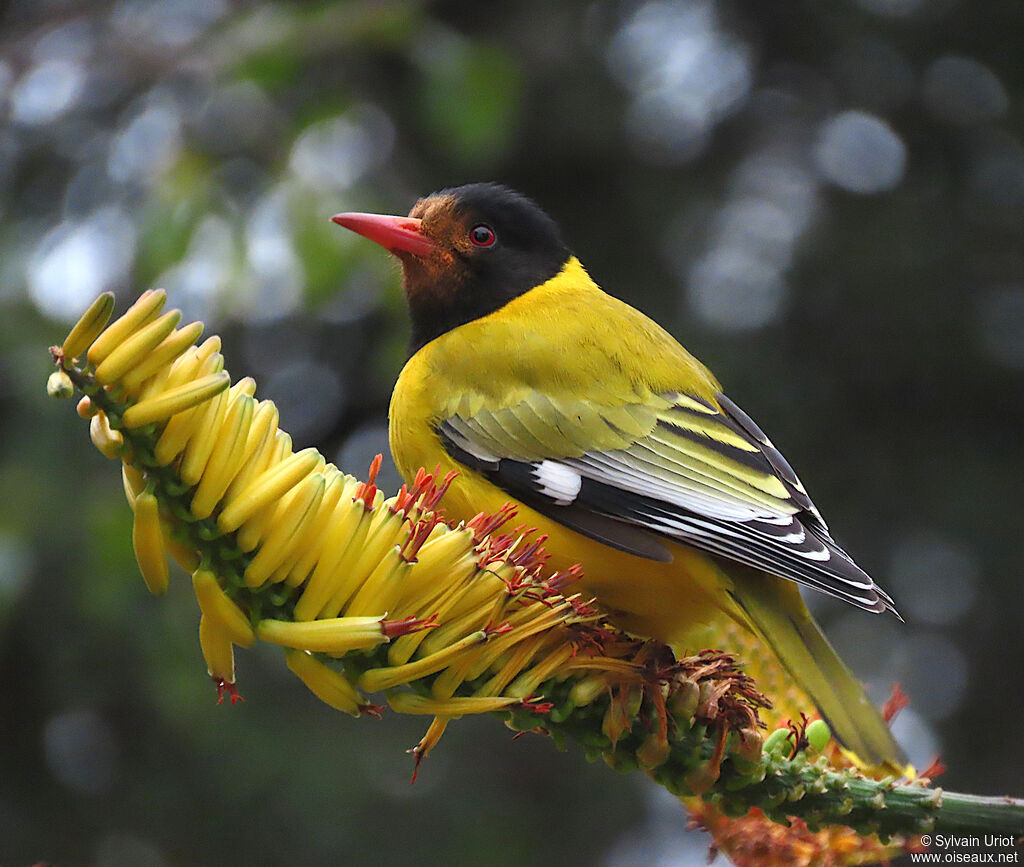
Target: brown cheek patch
[{"x": 435, "y": 280}]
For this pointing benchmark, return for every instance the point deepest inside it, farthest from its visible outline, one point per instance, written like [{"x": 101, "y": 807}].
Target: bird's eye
[{"x": 482, "y": 236}]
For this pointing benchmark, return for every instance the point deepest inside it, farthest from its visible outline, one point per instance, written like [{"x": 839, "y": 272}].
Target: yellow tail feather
[{"x": 776, "y": 613}]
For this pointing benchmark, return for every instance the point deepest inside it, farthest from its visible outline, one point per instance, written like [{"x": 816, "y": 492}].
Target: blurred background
[{"x": 823, "y": 201}]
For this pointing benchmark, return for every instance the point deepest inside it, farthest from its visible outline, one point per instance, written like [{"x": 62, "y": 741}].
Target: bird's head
[{"x": 465, "y": 252}]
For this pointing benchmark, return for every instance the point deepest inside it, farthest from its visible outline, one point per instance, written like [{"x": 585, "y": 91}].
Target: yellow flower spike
[
  {"x": 337, "y": 635},
  {"x": 347, "y": 529},
  {"x": 148, "y": 541},
  {"x": 316, "y": 535},
  {"x": 218, "y": 650},
  {"x": 147, "y": 307},
  {"x": 106, "y": 439},
  {"x": 268, "y": 487},
  {"x": 526, "y": 684},
  {"x": 387, "y": 529},
  {"x": 134, "y": 483},
  {"x": 177, "y": 400},
  {"x": 209, "y": 424},
  {"x": 88, "y": 328},
  {"x": 410, "y": 702},
  {"x": 287, "y": 529},
  {"x": 226, "y": 457},
  {"x": 376, "y": 679},
  {"x": 220, "y": 610},
  {"x": 162, "y": 356},
  {"x": 133, "y": 350},
  {"x": 328, "y": 685},
  {"x": 382, "y": 590}
]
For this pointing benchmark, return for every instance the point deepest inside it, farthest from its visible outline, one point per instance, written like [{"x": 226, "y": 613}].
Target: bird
[{"x": 612, "y": 440}]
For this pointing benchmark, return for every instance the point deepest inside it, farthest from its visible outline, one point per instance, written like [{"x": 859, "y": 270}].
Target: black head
[{"x": 466, "y": 252}]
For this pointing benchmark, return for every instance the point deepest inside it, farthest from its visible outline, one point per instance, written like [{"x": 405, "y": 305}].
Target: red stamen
[
  {"x": 419, "y": 755},
  {"x": 398, "y": 628},
  {"x": 560, "y": 580},
  {"x": 535, "y": 705},
  {"x": 432, "y": 497},
  {"x": 374, "y": 710},
  {"x": 418, "y": 534},
  {"x": 229, "y": 689},
  {"x": 500, "y": 629},
  {"x": 483, "y": 524},
  {"x": 367, "y": 491}
]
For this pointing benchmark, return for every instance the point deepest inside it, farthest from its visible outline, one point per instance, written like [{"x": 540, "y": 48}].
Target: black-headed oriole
[{"x": 614, "y": 441}]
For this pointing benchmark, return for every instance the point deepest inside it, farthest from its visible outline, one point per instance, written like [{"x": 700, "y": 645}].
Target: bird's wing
[{"x": 673, "y": 466}]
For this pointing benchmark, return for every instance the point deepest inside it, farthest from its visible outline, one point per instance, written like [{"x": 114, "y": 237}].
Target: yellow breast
[{"x": 569, "y": 340}]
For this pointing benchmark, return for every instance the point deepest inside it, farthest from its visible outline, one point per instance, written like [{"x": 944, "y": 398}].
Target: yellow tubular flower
[
  {"x": 337, "y": 635},
  {"x": 215, "y": 605},
  {"x": 126, "y": 355},
  {"x": 267, "y": 488},
  {"x": 407, "y": 702},
  {"x": 526, "y": 684},
  {"x": 208, "y": 422},
  {"x": 325, "y": 683},
  {"x": 172, "y": 347},
  {"x": 148, "y": 542},
  {"x": 88, "y": 328},
  {"x": 313, "y": 547},
  {"x": 381, "y": 591},
  {"x": 217, "y": 650},
  {"x": 287, "y": 529},
  {"x": 134, "y": 483},
  {"x": 383, "y": 678},
  {"x": 226, "y": 458},
  {"x": 386, "y": 530},
  {"x": 260, "y": 449},
  {"x": 142, "y": 311},
  {"x": 180, "y": 399},
  {"x": 348, "y": 528}
]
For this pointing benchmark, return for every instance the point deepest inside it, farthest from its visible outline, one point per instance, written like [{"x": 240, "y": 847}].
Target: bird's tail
[{"x": 776, "y": 613}]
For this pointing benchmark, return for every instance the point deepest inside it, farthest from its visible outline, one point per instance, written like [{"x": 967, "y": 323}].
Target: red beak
[{"x": 393, "y": 233}]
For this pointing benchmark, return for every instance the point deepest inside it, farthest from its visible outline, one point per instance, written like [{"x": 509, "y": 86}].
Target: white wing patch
[{"x": 557, "y": 481}]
